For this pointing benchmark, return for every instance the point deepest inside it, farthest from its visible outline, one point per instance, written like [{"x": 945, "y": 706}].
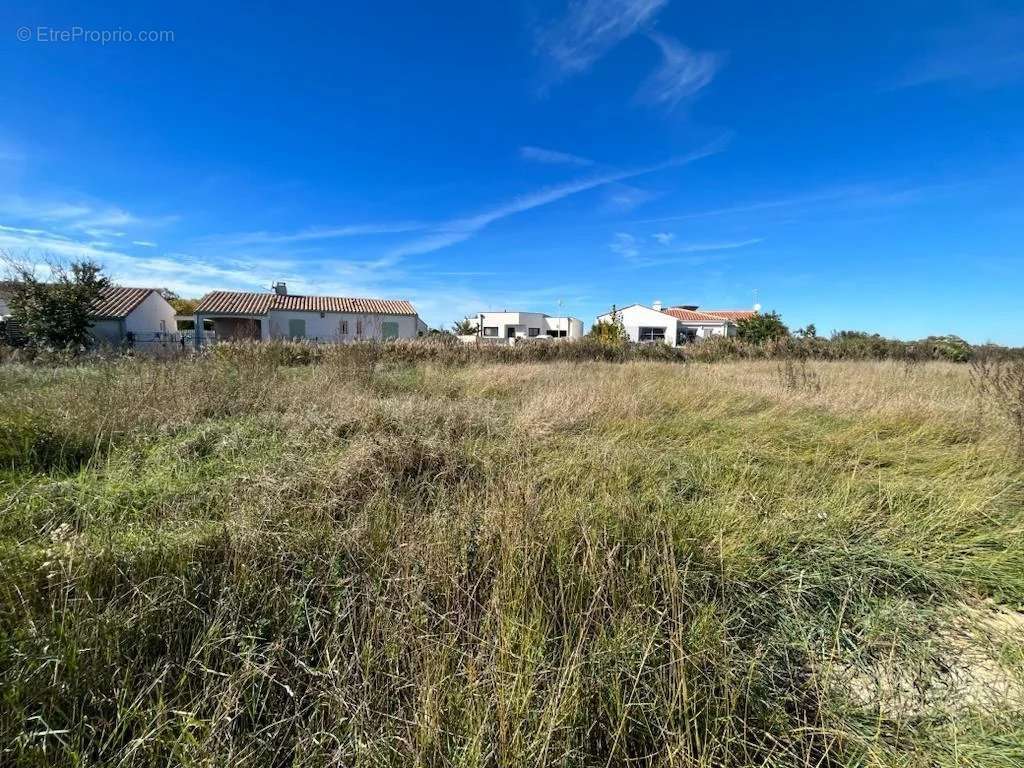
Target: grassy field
[{"x": 228, "y": 561}]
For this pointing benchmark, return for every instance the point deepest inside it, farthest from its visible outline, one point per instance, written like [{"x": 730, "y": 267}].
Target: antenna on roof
[
  {"x": 757, "y": 307},
  {"x": 280, "y": 288}
]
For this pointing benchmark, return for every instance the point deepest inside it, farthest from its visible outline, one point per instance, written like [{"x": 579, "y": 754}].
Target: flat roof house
[
  {"x": 237, "y": 315},
  {"x": 508, "y": 326},
  {"x": 676, "y": 325}
]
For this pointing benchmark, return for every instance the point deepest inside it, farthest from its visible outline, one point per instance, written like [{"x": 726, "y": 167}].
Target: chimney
[
  {"x": 656, "y": 306},
  {"x": 281, "y": 288}
]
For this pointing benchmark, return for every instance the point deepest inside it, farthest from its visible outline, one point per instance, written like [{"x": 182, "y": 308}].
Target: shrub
[
  {"x": 55, "y": 314},
  {"x": 761, "y": 327}
]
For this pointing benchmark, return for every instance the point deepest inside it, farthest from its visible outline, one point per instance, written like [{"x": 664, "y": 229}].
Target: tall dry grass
[{"x": 234, "y": 561}]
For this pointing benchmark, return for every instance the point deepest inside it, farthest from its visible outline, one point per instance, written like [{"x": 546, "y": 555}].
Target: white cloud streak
[
  {"x": 629, "y": 247},
  {"x": 552, "y": 157},
  {"x": 590, "y": 29},
  {"x": 313, "y": 234},
  {"x": 461, "y": 229},
  {"x": 682, "y": 73}
]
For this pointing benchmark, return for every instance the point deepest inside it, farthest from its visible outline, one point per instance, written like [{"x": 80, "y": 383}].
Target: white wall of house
[
  {"x": 638, "y": 317},
  {"x": 338, "y": 326},
  {"x": 153, "y": 315},
  {"x": 518, "y": 324}
]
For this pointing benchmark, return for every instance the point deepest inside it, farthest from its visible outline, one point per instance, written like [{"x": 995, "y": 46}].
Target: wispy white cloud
[
  {"x": 984, "y": 53},
  {"x": 461, "y": 229},
  {"x": 144, "y": 243},
  {"x": 622, "y": 198},
  {"x": 98, "y": 220},
  {"x": 541, "y": 155},
  {"x": 715, "y": 246},
  {"x": 590, "y": 29},
  {"x": 631, "y": 248},
  {"x": 681, "y": 74},
  {"x": 625, "y": 245},
  {"x": 843, "y": 197},
  {"x": 312, "y": 234}
]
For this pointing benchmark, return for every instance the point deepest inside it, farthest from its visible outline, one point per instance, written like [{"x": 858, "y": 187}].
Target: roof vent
[
  {"x": 656, "y": 306},
  {"x": 691, "y": 307},
  {"x": 281, "y": 288}
]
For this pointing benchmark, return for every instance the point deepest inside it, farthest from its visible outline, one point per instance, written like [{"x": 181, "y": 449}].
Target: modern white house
[
  {"x": 509, "y": 327},
  {"x": 675, "y": 325},
  {"x": 236, "y": 315},
  {"x": 133, "y": 316}
]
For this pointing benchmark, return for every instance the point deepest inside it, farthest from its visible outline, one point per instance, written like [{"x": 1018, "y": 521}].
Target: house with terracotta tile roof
[
  {"x": 675, "y": 325},
  {"x": 256, "y": 315},
  {"x": 132, "y": 315}
]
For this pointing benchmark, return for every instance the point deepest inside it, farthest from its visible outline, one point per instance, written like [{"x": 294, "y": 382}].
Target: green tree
[
  {"x": 464, "y": 327},
  {"x": 758, "y": 328},
  {"x": 809, "y": 332},
  {"x": 182, "y": 306},
  {"x": 609, "y": 331},
  {"x": 56, "y": 314}
]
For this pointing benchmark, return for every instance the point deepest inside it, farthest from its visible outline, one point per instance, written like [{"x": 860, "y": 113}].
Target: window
[
  {"x": 389, "y": 330},
  {"x": 557, "y": 334},
  {"x": 686, "y": 335},
  {"x": 163, "y": 326},
  {"x": 652, "y": 334},
  {"x": 296, "y": 328},
  {"x": 533, "y": 332},
  {"x": 490, "y": 330},
  {"x": 359, "y": 327},
  {"x": 344, "y": 327}
]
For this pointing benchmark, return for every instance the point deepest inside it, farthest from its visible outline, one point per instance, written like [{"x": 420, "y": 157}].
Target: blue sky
[{"x": 856, "y": 168}]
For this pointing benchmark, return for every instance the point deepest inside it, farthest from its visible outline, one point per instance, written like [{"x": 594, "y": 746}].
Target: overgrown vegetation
[
  {"x": 761, "y": 327},
  {"x": 54, "y": 313},
  {"x": 374, "y": 560}
]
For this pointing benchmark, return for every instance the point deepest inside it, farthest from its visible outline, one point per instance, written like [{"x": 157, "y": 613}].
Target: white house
[
  {"x": 280, "y": 315},
  {"x": 132, "y": 315},
  {"x": 675, "y": 325},
  {"x": 507, "y": 325}
]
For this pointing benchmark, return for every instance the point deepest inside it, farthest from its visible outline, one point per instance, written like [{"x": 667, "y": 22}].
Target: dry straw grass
[{"x": 377, "y": 562}]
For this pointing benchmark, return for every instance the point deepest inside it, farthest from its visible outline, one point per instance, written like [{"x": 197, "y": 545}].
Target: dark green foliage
[
  {"x": 55, "y": 314},
  {"x": 761, "y": 327}
]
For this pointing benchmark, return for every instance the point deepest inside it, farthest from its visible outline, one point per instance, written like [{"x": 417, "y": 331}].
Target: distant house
[
  {"x": 132, "y": 315},
  {"x": 120, "y": 315},
  {"x": 507, "y": 326},
  {"x": 238, "y": 315},
  {"x": 676, "y": 325}
]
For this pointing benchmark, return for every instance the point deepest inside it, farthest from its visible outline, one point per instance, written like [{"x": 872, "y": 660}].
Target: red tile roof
[
  {"x": 708, "y": 315},
  {"x": 253, "y": 303},
  {"x": 732, "y": 314},
  {"x": 117, "y": 302}
]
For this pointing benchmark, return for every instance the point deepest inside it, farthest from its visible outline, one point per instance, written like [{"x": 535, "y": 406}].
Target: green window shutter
[
  {"x": 389, "y": 330},
  {"x": 297, "y": 328}
]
